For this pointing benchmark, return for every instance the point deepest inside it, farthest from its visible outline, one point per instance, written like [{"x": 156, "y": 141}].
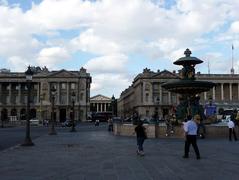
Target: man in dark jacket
[{"x": 141, "y": 136}]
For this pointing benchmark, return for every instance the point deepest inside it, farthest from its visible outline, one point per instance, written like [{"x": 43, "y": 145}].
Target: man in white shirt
[
  {"x": 231, "y": 127},
  {"x": 190, "y": 129}
]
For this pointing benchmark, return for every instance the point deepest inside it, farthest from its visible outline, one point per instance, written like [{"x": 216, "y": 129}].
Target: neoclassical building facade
[
  {"x": 13, "y": 94},
  {"x": 100, "y": 103},
  {"x": 146, "y": 96}
]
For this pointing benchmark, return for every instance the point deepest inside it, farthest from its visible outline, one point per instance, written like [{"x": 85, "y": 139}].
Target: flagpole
[
  {"x": 232, "y": 55},
  {"x": 232, "y": 69}
]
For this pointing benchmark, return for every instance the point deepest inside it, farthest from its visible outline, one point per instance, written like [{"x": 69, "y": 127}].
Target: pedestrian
[
  {"x": 190, "y": 129},
  {"x": 141, "y": 136},
  {"x": 168, "y": 125},
  {"x": 231, "y": 126},
  {"x": 110, "y": 124}
]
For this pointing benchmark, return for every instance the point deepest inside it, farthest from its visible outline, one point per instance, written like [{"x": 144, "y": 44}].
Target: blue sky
[{"x": 116, "y": 39}]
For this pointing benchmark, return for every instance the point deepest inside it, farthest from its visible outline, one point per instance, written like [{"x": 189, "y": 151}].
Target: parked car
[
  {"x": 67, "y": 123},
  {"x": 35, "y": 122}
]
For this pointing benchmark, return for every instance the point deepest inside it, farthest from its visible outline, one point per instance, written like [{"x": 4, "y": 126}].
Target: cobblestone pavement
[{"x": 99, "y": 155}]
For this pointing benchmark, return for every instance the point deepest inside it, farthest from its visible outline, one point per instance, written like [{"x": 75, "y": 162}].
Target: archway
[
  {"x": 33, "y": 113},
  {"x": 4, "y": 115}
]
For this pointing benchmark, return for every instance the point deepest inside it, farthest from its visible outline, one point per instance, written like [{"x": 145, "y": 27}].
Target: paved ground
[{"x": 99, "y": 155}]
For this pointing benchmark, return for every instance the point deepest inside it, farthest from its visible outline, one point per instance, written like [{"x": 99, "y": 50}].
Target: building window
[
  {"x": 63, "y": 86},
  {"x": 81, "y": 96},
  {"x": 147, "y": 87},
  {"x": 147, "y": 97},
  {"x": 63, "y": 99},
  {"x": 35, "y": 86},
  {"x": 155, "y": 86},
  {"x": 17, "y": 87},
  {"x": 73, "y": 85}
]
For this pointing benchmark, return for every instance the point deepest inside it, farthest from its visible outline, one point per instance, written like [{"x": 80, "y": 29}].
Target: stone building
[
  {"x": 13, "y": 94},
  {"x": 146, "y": 96},
  {"x": 100, "y": 103}
]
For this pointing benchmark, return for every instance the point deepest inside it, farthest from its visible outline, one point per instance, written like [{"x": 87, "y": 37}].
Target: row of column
[
  {"x": 101, "y": 107},
  {"x": 222, "y": 92},
  {"x": 10, "y": 92}
]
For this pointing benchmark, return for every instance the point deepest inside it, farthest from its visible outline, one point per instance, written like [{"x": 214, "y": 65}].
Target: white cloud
[
  {"x": 115, "y": 63},
  {"x": 52, "y": 56},
  {"x": 110, "y": 83},
  {"x": 19, "y": 64},
  {"x": 113, "y": 30}
]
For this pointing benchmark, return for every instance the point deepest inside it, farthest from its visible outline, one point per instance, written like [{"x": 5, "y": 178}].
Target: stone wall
[{"x": 159, "y": 131}]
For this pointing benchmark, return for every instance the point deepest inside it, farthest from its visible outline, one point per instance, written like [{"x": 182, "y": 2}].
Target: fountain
[{"x": 188, "y": 87}]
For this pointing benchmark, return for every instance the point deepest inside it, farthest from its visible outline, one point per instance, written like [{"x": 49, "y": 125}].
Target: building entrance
[{"x": 62, "y": 115}]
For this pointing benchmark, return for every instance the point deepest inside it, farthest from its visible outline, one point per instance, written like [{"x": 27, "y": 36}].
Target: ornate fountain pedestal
[{"x": 188, "y": 87}]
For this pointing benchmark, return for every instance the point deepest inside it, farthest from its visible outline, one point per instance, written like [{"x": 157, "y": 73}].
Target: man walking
[
  {"x": 231, "y": 127},
  {"x": 141, "y": 136},
  {"x": 191, "y": 136}
]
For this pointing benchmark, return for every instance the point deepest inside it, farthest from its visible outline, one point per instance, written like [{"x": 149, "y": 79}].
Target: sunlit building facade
[
  {"x": 13, "y": 94},
  {"x": 147, "y": 97}
]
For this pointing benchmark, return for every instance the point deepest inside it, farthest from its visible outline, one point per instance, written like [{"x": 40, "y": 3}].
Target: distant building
[
  {"x": 146, "y": 96},
  {"x": 13, "y": 94},
  {"x": 100, "y": 103}
]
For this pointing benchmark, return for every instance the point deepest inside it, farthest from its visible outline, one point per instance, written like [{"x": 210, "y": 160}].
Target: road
[{"x": 12, "y": 136}]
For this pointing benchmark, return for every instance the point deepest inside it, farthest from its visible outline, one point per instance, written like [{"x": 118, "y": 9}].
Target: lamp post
[
  {"x": 42, "y": 96},
  {"x": 28, "y": 141},
  {"x": 52, "y": 130},
  {"x": 73, "y": 95},
  {"x": 2, "y": 125}
]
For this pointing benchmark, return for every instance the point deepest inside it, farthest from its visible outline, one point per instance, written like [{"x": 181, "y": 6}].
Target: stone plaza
[{"x": 100, "y": 155}]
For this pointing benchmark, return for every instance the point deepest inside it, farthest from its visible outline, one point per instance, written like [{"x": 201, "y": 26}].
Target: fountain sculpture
[{"x": 188, "y": 87}]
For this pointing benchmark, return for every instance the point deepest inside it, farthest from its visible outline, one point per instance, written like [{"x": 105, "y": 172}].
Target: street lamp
[
  {"x": 52, "y": 130},
  {"x": 28, "y": 141},
  {"x": 42, "y": 97},
  {"x": 2, "y": 125},
  {"x": 73, "y": 95}
]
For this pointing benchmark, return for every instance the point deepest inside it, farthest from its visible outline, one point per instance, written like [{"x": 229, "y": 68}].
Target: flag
[{"x": 232, "y": 47}]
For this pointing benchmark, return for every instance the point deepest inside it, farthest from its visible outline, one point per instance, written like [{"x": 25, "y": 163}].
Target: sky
[{"x": 116, "y": 39}]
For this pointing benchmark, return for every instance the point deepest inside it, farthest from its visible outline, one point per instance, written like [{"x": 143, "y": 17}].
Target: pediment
[
  {"x": 62, "y": 74},
  {"x": 166, "y": 74},
  {"x": 100, "y": 97}
]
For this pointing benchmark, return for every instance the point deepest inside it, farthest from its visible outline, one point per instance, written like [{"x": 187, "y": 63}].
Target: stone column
[
  {"x": 10, "y": 93},
  {"x": 19, "y": 93},
  {"x": 230, "y": 91},
  {"x": 238, "y": 90},
  {"x": 105, "y": 107},
  {"x": 205, "y": 96},
  {"x": 222, "y": 92},
  {"x": 97, "y": 107},
  {"x": 38, "y": 93},
  {"x": 213, "y": 93},
  {"x": 160, "y": 94},
  {"x": 67, "y": 93},
  {"x": 169, "y": 98},
  {"x": 58, "y": 93},
  {"x": 0, "y": 93}
]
